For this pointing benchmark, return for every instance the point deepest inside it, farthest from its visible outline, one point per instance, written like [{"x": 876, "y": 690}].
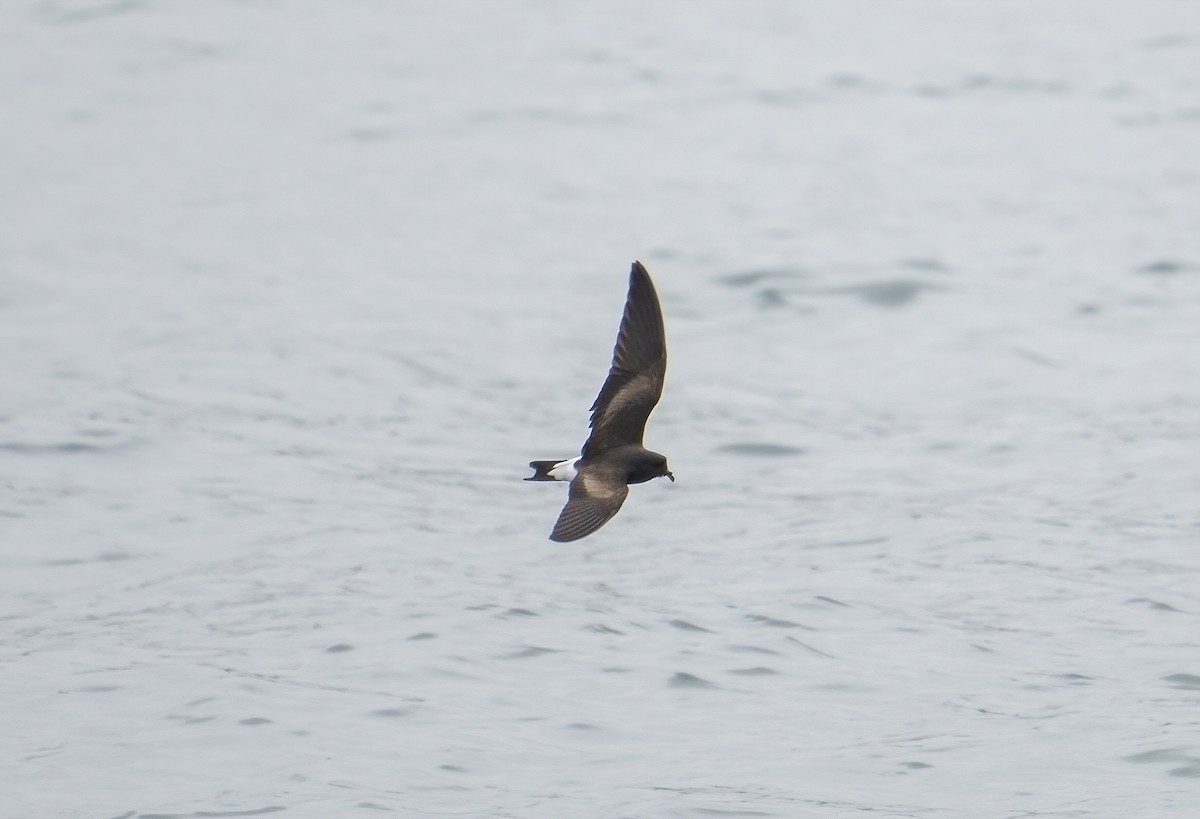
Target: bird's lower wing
[{"x": 590, "y": 506}]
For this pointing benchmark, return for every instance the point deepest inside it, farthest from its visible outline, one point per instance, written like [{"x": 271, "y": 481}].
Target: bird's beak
[{"x": 671, "y": 476}]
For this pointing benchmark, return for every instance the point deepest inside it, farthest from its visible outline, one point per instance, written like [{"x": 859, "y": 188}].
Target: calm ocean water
[{"x": 289, "y": 295}]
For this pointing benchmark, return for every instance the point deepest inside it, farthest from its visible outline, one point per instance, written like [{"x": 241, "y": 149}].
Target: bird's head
[
  {"x": 661, "y": 470},
  {"x": 648, "y": 466}
]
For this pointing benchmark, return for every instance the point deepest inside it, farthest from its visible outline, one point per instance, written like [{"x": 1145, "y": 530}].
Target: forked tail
[
  {"x": 554, "y": 470},
  {"x": 541, "y": 470}
]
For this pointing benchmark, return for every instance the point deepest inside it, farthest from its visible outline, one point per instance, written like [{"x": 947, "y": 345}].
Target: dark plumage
[{"x": 613, "y": 456}]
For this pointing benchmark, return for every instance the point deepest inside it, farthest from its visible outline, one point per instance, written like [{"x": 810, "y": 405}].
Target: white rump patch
[{"x": 564, "y": 470}]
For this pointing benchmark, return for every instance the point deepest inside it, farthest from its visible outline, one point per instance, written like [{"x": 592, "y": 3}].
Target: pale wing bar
[{"x": 584, "y": 512}]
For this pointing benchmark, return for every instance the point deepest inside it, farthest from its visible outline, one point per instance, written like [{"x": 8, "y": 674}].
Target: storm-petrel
[{"x": 613, "y": 455}]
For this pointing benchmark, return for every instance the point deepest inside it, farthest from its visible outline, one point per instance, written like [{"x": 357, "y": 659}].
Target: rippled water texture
[{"x": 290, "y": 293}]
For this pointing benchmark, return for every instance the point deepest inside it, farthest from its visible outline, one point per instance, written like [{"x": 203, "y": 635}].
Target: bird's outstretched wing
[
  {"x": 596, "y": 495},
  {"x": 639, "y": 366}
]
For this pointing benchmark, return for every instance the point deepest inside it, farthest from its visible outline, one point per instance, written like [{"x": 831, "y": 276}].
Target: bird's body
[{"x": 613, "y": 456}]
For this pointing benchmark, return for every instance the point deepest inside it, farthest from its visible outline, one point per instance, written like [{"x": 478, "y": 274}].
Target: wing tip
[
  {"x": 573, "y": 528},
  {"x": 638, "y": 274},
  {"x": 638, "y": 271}
]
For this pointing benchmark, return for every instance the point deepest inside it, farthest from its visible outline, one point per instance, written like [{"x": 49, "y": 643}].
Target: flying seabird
[{"x": 613, "y": 456}]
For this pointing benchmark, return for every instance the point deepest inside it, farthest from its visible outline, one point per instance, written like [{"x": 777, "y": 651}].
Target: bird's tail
[{"x": 541, "y": 470}]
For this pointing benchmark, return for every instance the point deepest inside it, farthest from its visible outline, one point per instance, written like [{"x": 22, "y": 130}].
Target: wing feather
[
  {"x": 639, "y": 367},
  {"x": 594, "y": 498}
]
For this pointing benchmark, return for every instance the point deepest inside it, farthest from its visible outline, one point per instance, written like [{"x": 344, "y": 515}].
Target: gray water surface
[{"x": 290, "y": 293}]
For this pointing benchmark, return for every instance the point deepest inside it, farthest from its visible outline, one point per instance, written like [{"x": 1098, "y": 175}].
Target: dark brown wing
[
  {"x": 635, "y": 380},
  {"x": 596, "y": 495}
]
